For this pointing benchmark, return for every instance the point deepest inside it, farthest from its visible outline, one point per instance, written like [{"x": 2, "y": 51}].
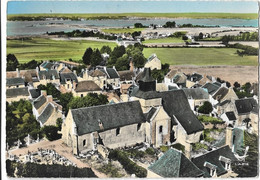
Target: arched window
[
  {"x": 117, "y": 131},
  {"x": 160, "y": 129},
  {"x": 84, "y": 142}
]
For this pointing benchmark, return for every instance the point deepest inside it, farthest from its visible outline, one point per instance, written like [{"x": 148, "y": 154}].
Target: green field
[
  {"x": 146, "y": 15},
  {"x": 46, "y": 49},
  {"x": 201, "y": 56},
  {"x": 121, "y": 30},
  {"x": 164, "y": 40}
]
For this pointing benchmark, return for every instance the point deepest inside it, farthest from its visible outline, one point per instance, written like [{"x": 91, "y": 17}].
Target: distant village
[{"x": 188, "y": 125}]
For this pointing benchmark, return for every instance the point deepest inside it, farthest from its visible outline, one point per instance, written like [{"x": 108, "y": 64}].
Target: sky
[{"x": 28, "y": 7}]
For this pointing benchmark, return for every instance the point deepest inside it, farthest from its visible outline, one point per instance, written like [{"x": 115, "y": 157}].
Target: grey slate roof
[
  {"x": 231, "y": 115},
  {"x": 70, "y": 76},
  {"x": 212, "y": 88},
  {"x": 14, "y": 81},
  {"x": 35, "y": 93},
  {"x": 220, "y": 93},
  {"x": 50, "y": 74},
  {"x": 84, "y": 86},
  {"x": 39, "y": 101},
  {"x": 126, "y": 75},
  {"x": 196, "y": 93},
  {"x": 47, "y": 65},
  {"x": 14, "y": 92},
  {"x": 175, "y": 103},
  {"x": 174, "y": 164},
  {"x": 246, "y": 105},
  {"x": 147, "y": 75},
  {"x": 148, "y": 115},
  {"x": 112, "y": 73},
  {"x": 111, "y": 115},
  {"x": 46, "y": 113},
  {"x": 213, "y": 158},
  {"x": 194, "y": 77}
]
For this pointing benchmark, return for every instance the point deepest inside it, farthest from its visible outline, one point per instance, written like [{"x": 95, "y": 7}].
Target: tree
[
  {"x": 64, "y": 101},
  {"x": 52, "y": 90},
  {"x": 105, "y": 49},
  {"x": 59, "y": 123},
  {"x": 158, "y": 75},
  {"x": 51, "y": 132},
  {"x": 225, "y": 40},
  {"x": 184, "y": 38},
  {"x": 139, "y": 60},
  {"x": 138, "y": 25},
  {"x": 200, "y": 35},
  {"x": 246, "y": 87},
  {"x": 12, "y": 62},
  {"x": 122, "y": 63},
  {"x": 206, "y": 108},
  {"x": 91, "y": 99},
  {"x": 95, "y": 58},
  {"x": 87, "y": 56},
  {"x": 169, "y": 24},
  {"x": 236, "y": 85}
]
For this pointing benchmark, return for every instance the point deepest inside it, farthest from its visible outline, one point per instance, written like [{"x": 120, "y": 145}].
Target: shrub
[
  {"x": 208, "y": 119},
  {"x": 179, "y": 147},
  {"x": 110, "y": 170},
  {"x": 206, "y": 108},
  {"x": 150, "y": 151},
  {"x": 197, "y": 146},
  {"x": 130, "y": 166},
  {"x": 164, "y": 148}
]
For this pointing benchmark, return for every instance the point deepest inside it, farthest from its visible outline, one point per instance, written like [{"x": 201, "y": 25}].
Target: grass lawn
[
  {"x": 147, "y": 15},
  {"x": 46, "y": 49},
  {"x": 121, "y": 30},
  {"x": 164, "y": 40},
  {"x": 201, "y": 56}
]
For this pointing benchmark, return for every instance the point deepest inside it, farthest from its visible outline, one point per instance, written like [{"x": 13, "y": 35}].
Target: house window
[
  {"x": 17, "y": 86},
  {"x": 84, "y": 142},
  {"x": 81, "y": 95},
  {"x": 117, "y": 131},
  {"x": 138, "y": 126},
  {"x": 68, "y": 86},
  {"x": 160, "y": 129}
]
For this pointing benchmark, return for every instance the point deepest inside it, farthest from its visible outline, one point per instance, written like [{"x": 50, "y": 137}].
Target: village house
[
  {"x": 45, "y": 110},
  {"x": 216, "y": 163},
  {"x": 211, "y": 87},
  {"x": 46, "y": 65},
  {"x": 175, "y": 77},
  {"x": 185, "y": 128},
  {"x": 103, "y": 77},
  {"x": 15, "y": 83},
  {"x": 29, "y": 76},
  {"x": 82, "y": 88},
  {"x": 111, "y": 125},
  {"x": 222, "y": 94},
  {"x": 47, "y": 76},
  {"x": 68, "y": 81},
  {"x": 173, "y": 164},
  {"x": 153, "y": 63},
  {"x": 34, "y": 93},
  {"x": 247, "y": 113},
  {"x": 193, "y": 79},
  {"x": 15, "y": 94},
  {"x": 229, "y": 118},
  {"x": 196, "y": 97}
]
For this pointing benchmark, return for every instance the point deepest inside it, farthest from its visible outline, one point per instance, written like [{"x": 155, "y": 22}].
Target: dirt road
[{"x": 241, "y": 74}]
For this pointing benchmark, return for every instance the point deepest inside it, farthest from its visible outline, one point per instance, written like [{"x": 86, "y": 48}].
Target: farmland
[
  {"x": 46, "y": 49},
  {"x": 201, "y": 56}
]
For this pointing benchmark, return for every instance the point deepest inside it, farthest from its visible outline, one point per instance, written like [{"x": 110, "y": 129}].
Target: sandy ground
[
  {"x": 241, "y": 74},
  {"x": 60, "y": 148}
]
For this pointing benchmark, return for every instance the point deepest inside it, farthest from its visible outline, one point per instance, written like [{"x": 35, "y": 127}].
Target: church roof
[{"x": 111, "y": 116}]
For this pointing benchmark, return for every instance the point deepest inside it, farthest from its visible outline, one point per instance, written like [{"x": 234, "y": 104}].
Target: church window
[
  {"x": 160, "y": 129},
  {"x": 117, "y": 131},
  {"x": 84, "y": 142}
]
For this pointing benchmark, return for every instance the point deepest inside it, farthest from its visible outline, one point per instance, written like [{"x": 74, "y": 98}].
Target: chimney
[
  {"x": 229, "y": 137},
  {"x": 74, "y": 84},
  {"x": 75, "y": 72},
  {"x": 114, "y": 67},
  {"x": 131, "y": 64},
  {"x": 49, "y": 98},
  {"x": 43, "y": 92},
  {"x": 18, "y": 72}
]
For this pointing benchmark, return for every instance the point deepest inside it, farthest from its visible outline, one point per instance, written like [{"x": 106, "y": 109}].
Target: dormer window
[
  {"x": 212, "y": 168},
  {"x": 226, "y": 162}
]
